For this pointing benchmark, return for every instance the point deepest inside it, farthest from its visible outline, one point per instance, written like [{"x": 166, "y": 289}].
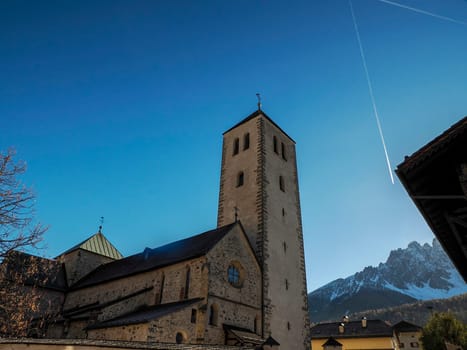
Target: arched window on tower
[
  {"x": 281, "y": 183},
  {"x": 236, "y": 146},
  {"x": 274, "y": 142},
  {"x": 246, "y": 141},
  {"x": 240, "y": 179}
]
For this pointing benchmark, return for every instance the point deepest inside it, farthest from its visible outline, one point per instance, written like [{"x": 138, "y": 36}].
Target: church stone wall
[
  {"x": 271, "y": 216},
  {"x": 284, "y": 271},
  {"x": 80, "y": 262},
  {"x": 237, "y": 306},
  {"x": 235, "y": 249},
  {"x": 165, "y": 329},
  {"x": 174, "y": 281},
  {"x": 244, "y": 197},
  {"x": 134, "y": 332},
  {"x": 128, "y": 294}
]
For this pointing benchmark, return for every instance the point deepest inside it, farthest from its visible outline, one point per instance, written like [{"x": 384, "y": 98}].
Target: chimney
[
  {"x": 341, "y": 328},
  {"x": 363, "y": 322}
]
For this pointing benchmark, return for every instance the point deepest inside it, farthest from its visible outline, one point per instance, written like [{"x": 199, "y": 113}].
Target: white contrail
[
  {"x": 370, "y": 89},
  {"x": 423, "y": 12}
]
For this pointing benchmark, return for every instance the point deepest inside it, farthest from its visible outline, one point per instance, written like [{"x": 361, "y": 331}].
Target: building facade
[
  {"x": 408, "y": 335},
  {"x": 349, "y": 335},
  {"x": 237, "y": 284},
  {"x": 259, "y": 186}
]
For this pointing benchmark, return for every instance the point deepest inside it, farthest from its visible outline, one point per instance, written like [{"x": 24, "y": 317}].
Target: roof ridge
[
  {"x": 149, "y": 259},
  {"x": 444, "y": 137},
  {"x": 111, "y": 251},
  {"x": 256, "y": 113}
]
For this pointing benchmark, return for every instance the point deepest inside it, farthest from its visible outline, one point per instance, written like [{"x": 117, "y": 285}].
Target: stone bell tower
[{"x": 259, "y": 186}]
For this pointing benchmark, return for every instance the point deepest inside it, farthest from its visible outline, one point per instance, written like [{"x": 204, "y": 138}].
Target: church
[{"x": 237, "y": 284}]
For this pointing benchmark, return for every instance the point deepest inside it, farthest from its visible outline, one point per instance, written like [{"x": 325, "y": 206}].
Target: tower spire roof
[{"x": 255, "y": 114}]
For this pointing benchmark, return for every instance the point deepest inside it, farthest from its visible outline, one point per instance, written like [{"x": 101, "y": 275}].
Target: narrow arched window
[
  {"x": 161, "y": 290},
  {"x": 193, "y": 315},
  {"x": 236, "y": 146},
  {"x": 246, "y": 141},
  {"x": 240, "y": 179},
  {"x": 213, "y": 314},
  {"x": 284, "y": 156},
  {"x": 274, "y": 142},
  {"x": 187, "y": 283},
  {"x": 233, "y": 275},
  {"x": 281, "y": 183}
]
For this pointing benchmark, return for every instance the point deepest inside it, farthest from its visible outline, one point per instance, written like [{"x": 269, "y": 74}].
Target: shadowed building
[{"x": 435, "y": 177}]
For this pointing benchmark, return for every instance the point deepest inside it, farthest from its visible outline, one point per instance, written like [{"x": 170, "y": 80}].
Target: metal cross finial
[
  {"x": 236, "y": 213},
  {"x": 259, "y": 100},
  {"x": 101, "y": 223}
]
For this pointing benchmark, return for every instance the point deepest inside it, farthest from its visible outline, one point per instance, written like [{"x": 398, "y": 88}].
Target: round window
[{"x": 235, "y": 274}]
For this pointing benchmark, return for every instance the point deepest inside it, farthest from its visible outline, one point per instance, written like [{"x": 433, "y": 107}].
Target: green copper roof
[{"x": 98, "y": 244}]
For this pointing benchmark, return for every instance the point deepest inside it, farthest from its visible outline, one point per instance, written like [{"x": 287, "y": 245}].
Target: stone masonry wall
[
  {"x": 272, "y": 220},
  {"x": 143, "y": 289},
  {"x": 237, "y": 306},
  {"x": 134, "y": 332},
  {"x": 80, "y": 262},
  {"x": 284, "y": 268},
  {"x": 165, "y": 329}
]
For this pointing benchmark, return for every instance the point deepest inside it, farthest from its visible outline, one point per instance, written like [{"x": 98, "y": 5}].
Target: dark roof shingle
[
  {"x": 353, "y": 329},
  {"x": 404, "y": 326},
  {"x": 151, "y": 259},
  {"x": 434, "y": 146}
]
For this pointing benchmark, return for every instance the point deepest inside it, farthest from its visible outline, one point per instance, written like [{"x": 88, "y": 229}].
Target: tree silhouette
[
  {"x": 442, "y": 328},
  {"x": 20, "y": 274}
]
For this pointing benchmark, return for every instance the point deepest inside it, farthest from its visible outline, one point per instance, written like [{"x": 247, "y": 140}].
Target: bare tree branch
[
  {"x": 22, "y": 276},
  {"x": 16, "y": 208}
]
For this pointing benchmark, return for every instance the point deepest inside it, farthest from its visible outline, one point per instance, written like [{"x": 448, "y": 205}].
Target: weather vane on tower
[
  {"x": 101, "y": 221},
  {"x": 259, "y": 100}
]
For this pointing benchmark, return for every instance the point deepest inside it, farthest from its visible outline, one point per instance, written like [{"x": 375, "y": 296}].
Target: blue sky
[{"x": 118, "y": 108}]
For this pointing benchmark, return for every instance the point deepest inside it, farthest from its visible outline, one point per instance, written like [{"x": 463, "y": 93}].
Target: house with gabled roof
[
  {"x": 346, "y": 335},
  {"x": 408, "y": 335}
]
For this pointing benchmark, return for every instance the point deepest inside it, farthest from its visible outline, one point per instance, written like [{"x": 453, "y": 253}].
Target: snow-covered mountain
[{"x": 419, "y": 272}]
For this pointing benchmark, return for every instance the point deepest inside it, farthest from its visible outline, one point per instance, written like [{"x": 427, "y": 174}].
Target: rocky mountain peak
[{"x": 418, "y": 272}]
